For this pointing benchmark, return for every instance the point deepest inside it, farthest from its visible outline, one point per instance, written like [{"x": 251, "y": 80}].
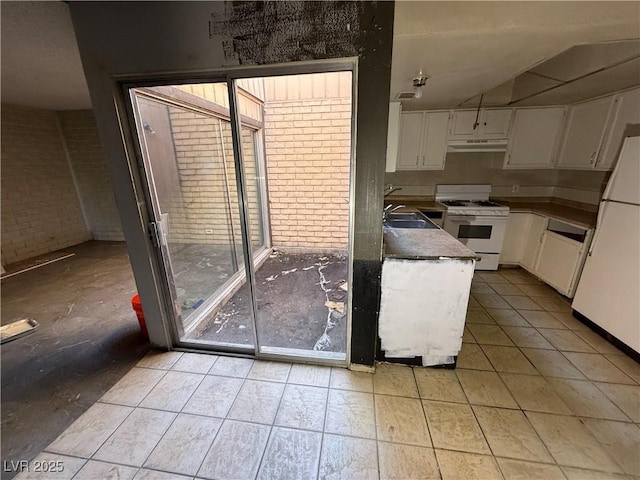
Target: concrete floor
[
  {"x": 291, "y": 290},
  {"x": 198, "y": 271},
  {"x": 87, "y": 340}
]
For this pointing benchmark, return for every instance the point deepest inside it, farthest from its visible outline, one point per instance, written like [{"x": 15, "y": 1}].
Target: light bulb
[{"x": 418, "y": 93}]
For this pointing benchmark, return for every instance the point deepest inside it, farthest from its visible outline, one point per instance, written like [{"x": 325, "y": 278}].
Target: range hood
[{"x": 477, "y": 145}]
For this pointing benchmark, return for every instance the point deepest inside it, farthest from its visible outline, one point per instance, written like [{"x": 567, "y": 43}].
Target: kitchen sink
[
  {"x": 407, "y": 220},
  {"x": 404, "y": 216},
  {"x": 402, "y": 223}
]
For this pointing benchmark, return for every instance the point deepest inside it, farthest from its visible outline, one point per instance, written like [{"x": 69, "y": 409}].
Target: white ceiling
[
  {"x": 466, "y": 48},
  {"x": 41, "y": 64},
  {"x": 469, "y": 48}
]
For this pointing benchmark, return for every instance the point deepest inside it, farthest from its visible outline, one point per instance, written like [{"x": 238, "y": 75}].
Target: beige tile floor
[{"x": 536, "y": 395}]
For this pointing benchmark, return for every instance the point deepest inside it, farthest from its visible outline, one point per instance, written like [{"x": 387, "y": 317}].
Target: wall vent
[{"x": 405, "y": 95}]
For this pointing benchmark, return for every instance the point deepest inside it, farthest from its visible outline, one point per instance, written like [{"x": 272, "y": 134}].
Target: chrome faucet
[
  {"x": 390, "y": 209},
  {"x": 390, "y": 190}
]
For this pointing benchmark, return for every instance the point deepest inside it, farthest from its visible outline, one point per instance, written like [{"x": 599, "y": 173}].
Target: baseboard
[{"x": 619, "y": 344}]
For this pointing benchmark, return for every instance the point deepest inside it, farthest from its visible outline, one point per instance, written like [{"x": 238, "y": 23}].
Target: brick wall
[
  {"x": 40, "y": 207},
  {"x": 308, "y": 149},
  {"x": 92, "y": 179},
  {"x": 193, "y": 168}
]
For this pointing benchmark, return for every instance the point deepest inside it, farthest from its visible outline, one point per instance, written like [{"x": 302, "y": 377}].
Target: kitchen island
[{"x": 426, "y": 281}]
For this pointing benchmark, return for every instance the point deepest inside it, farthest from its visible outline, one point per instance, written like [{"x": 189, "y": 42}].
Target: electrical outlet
[
  {"x": 515, "y": 188},
  {"x": 208, "y": 231}
]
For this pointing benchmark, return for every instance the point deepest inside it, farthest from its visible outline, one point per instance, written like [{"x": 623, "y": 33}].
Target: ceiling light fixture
[{"x": 418, "y": 82}]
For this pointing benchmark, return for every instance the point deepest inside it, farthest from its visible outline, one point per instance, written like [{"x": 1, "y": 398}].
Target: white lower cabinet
[
  {"x": 514, "y": 238},
  {"x": 558, "y": 260},
  {"x": 534, "y": 230},
  {"x": 552, "y": 250}
]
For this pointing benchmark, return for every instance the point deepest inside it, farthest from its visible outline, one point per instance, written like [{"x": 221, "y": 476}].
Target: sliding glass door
[
  {"x": 191, "y": 174},
  {"x": 202, "y": 150}
]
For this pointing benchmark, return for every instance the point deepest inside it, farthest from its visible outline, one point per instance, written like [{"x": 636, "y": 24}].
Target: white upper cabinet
[
  {"x": 626, "y": 110},
  {"x": 584, "y": 133},
  {"x": 462, "y": 124},
  {"x": 410, "y": 140},
  {"x": 423, "y": 140},
  {"x": 434, "y": 148},
  {"x": 393, "y": 135},
  {"x": 491, "y": 124},
  {"x": 535, "y": 137},
  {"x": 496, "y": 123}
]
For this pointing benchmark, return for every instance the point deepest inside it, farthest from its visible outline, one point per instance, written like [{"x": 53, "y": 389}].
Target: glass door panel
[
  {"x": 301, "y": 287},
  {"x": 191, "y": 175}
]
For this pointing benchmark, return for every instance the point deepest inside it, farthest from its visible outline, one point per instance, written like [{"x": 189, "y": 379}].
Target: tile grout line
[
  {"x": 562, "y": 352},
  {"x": 324, "y": 423},
  {"x": 473, "y": 412},
  {"x": 177, "y": 414},
  {"x": 424, "y": 412},
  {"x": 573, "y": 415},
  {"x": 507, "y": 388},
  {"x": 114, "y": 430},
  {"x": 224, "y": 419},
  {"x": 145, "y": 395},
  {"x": 375, "y": 418},
  {"x": 272, "y": 425},
  {"x": 133, "y": 409},
  {"x": 360, "y": 438}
]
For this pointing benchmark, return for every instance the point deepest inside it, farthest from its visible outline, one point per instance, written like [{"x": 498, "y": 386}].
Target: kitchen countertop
[
  {"x": 572, "y": 214},
  {"x": 423, "y": 244},
  {"x": 577, "y": 216}
]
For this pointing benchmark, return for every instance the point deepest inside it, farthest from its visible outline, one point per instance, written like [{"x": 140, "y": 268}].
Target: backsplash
[
  {"x": 581, "y": 185},
  {"x": 486, "y": 167}
]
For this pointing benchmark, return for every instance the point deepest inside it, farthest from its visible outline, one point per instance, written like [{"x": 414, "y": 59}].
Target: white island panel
[{"x": 423, "y": 308}]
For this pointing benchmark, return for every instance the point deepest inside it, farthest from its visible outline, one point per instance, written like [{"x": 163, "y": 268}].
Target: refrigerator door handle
[{"x": 594, "y": 240}]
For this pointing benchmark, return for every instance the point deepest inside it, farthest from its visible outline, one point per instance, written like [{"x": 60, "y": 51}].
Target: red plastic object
[{"x": 137, "y": 307}]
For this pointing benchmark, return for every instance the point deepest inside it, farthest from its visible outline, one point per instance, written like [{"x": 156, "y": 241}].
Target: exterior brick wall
[
  {"x": 89, "y": 166},
  {"x": 40, "y": 207},
  {"x": 194, "y": 176},
  {"x": 308, "y": 150}
]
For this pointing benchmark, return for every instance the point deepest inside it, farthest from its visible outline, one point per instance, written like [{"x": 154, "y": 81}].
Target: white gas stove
[
  {"x": 475, "y": 220},
  {"x": 475, "y": 207},
  {"x": 469, "y": 200}
]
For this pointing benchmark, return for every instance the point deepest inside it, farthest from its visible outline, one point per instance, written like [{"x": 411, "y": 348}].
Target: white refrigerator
[{"x": 608, "y": 292}]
